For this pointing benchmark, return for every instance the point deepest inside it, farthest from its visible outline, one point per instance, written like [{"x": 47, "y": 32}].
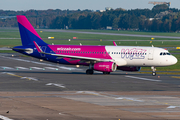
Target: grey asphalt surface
[
  {"x": 36, "y": 90},
  {"x": 14, "y": 72}
]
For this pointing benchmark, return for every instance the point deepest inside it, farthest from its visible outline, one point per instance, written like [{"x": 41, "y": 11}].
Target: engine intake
[{"x": 105, "y": 66}]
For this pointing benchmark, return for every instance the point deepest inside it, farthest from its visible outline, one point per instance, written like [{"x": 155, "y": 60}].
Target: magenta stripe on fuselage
[
  {"x": 24, "y": 21},
  {"x": 83, "y": 51}
]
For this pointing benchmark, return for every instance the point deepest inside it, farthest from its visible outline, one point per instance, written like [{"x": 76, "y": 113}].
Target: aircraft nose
[{"x": 174, "y": 60}]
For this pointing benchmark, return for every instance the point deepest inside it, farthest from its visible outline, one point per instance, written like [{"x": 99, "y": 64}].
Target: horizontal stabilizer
[{"x": 20, "y": 49}]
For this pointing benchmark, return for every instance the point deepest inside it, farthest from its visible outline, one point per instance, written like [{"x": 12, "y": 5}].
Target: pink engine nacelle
[
  {"x": 129, "y": 68},
  {"x": 105, "y": 66}
]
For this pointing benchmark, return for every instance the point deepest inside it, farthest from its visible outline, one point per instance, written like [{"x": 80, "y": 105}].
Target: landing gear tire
[
  {"x": 89, "y": 72},
  {"x": 153, "y": 73},
  {"x": 106, "y": 73}
]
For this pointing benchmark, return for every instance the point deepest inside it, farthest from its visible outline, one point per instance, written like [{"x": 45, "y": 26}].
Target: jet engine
[
  {"x": 129, "y": 68},
  {"x": 104, "y": 66}
]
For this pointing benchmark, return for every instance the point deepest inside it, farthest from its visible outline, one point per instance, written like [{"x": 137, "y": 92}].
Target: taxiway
[{"x": 30, "y": 89}]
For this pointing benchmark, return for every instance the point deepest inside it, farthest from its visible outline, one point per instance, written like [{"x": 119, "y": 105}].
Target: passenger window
[
  {"x": 160, "y": 53},
  {"x": 164, "y": 53}
]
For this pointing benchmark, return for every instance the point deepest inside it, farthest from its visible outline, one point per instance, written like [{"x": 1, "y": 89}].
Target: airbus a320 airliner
[{"x": 100, "y": 58}]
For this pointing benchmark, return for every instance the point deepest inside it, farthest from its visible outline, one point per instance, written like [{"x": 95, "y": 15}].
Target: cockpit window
[{"x": 165, "y": 53}]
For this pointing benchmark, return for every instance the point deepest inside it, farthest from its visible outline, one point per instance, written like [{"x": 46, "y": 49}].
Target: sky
[{"x": 80, "y": 4}]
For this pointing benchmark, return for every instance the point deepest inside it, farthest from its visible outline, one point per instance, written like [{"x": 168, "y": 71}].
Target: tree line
[{"x": 160, "y": 18}]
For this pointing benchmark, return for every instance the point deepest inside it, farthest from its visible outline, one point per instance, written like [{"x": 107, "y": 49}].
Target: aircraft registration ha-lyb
[{"x": 100, "y": 58}]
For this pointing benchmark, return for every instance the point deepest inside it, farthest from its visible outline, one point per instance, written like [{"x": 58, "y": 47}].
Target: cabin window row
[
  {"x": 129, "y": 53},
  {"x": 82, "y": 52}
]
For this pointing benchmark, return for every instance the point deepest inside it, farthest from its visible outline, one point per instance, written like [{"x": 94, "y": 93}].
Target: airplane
[{"x": 106, "y": 59}]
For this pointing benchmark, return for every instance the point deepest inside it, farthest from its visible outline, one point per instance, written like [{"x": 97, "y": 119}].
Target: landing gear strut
[{"x": 153, "y": 71}]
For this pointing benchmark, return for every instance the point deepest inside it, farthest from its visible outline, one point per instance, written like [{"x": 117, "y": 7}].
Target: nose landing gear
[{"x": 153, "y": 71}]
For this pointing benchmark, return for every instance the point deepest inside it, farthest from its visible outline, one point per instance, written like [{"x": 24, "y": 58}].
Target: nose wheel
[{"x": 153, "y": 71}]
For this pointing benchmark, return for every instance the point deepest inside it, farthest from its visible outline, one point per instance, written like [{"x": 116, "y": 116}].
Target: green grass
[
  {"x": 88, "y": 39},
  {"x": 65, "y": 36}
]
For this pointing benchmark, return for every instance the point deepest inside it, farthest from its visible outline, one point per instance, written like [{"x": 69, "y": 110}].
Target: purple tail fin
[{"x": 28, "y": 33}]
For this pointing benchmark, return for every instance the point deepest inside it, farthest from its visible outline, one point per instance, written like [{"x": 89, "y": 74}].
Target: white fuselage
[{"x": 140, "y": 56}]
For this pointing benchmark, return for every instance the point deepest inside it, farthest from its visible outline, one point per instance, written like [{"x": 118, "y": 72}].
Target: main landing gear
[
  {"x": 106, "y": 73},
  {"x": 153, "y": 71},
  {"x": 89, "y": 71}
]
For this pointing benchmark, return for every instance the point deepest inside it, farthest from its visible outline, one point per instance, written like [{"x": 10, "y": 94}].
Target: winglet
[
  {"x": 114, "y": 43},
  {"x": 38, "y": 47}
]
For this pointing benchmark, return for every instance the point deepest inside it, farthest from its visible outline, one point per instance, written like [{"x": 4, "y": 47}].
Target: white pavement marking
[
  {"x": 173, "y": 107},
  {"x": 7, "y": 73},
  {"x": 119, "y": 98},
  {"x": 29, "y": 78},
  {"x": 143, "y": 78},
  {"x": 37, "y": 68},
  {"x": 67, "y": 68},
  {"x": 58, "y": 85},
  {"x": 41, "y": 63},
  {"x": 22, "y": 68},
  {"x": 127, "y": 98},
  {"x": 12, "y": 74},
  {"x": 51, "y": 68},
  {"x": 5, "y": 118},
  {"x": 10, "y": 68},
  {"x": 88, "y": 92}
]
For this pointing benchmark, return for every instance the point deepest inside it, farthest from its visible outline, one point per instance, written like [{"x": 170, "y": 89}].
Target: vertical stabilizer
[{"x": 28, "y": 33}]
